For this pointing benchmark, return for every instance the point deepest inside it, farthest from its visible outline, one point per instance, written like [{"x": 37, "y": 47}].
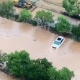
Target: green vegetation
[
  {"x": 39, "y": 69},
  {"x": 76, "y": 31},
  {"x": 42, "y": 18},
  {"x": 34, "y": 23},
  {"x": 45, "y": 16},
  {"x": 63, "y": 25},
  {"x": 72, "y": 7},
  {"x": 20, "y": 65},
  {"x": 25, "y": 16},
  {"x": 67, "y": 74},
  {"x": 6, "y": 9},
  {"x": 3, "y": 56}
]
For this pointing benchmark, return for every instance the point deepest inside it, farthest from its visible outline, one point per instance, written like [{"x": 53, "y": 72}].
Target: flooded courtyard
[{"x": 37, "y": 41}]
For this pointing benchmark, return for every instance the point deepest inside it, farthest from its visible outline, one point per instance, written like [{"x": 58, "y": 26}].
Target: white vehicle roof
[
  {"x": 57, "y": 43},
  {"x": 60, "y": 39}
]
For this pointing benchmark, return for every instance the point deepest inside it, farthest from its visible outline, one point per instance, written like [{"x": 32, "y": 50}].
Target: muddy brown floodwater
[{"x": 37, "y": 41}]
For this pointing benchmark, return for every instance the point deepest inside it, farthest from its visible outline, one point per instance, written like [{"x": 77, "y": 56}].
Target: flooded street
[
  {"x": 4, "y": 76},
  {"x": 37, "y": 41}
]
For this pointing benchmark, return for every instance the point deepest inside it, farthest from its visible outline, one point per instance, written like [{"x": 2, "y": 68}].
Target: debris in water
[{"x": 34, "y": 39}]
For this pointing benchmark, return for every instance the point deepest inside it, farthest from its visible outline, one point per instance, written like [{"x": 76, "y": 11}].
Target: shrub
[
  {"x": 6, "y": 9},
  {"x": 72, "y": 7},
  {"x": 76, "y": 31},
  {"x": 52, "y": 29},
  {"x": 65, "y": 74},
  {"x": 44, "y": 16},
  {"x": 63, "y": 26},
  {"x": 25, "y": 16},
  {"x": 16, "y": 16},
  {"x": 20, "y": 65},
  {"x": 34, "y": 23},
  {"x": 3, "y": 57}
]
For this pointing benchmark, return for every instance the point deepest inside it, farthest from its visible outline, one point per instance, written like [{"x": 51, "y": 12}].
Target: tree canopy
[
  {"x": 25, "y": 15},
  {"x": 76, "y": 31},
  {"x": 39, "y": 69},
  {"x": 20, "y": 65},
  {"x": 45, "y": 16},
  {"x": 65, "y": 74},
  {"x": 63, "y": 25},
  {"x": 72, "y": 7},
  {"x": 6, "y": 9}
]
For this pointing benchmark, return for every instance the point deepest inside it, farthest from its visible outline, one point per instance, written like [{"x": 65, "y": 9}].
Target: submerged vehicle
[{"x": 58, "y": 42}]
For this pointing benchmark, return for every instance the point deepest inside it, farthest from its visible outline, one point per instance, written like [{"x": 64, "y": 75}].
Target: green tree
[
  {"x": 6, "y": 9},
  {"x": 76, "y": 31},
  {"x": 34, "y": 23},
  {"x": 38, "y": 71},
  {"x": 53, "y": 74},
  {"x": 18, "y": 63},
  {"x": 65, "y": 74},
  {"x": 25, "y": 15},
  {"x": 3, "y": 57},
  {"x": 62, "y": 74},
  {"x": 63, "y": 25},
  {"x": 72, "y": 7},
  {"x": 45, "y": 16}
]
